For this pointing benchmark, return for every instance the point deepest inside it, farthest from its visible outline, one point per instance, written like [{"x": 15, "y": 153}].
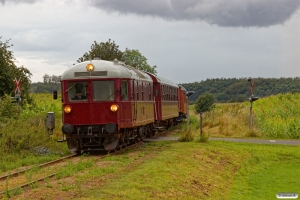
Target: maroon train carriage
[
  {"x": 166, "y": 101},
  {"x": 182, "y": 102},
  {"x": 107, "y": 105}
]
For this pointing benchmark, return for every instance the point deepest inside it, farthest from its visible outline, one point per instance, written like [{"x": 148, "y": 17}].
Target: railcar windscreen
[
  {"x": 77, "y": 91},
  {"x": 103, "y": 91}
]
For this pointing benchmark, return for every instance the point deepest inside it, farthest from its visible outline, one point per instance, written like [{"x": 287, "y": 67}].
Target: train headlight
[
  {"x": 90, "y": 67},
  {"x": 67, "y": 109},
  {"x": 114, "y": 107}
]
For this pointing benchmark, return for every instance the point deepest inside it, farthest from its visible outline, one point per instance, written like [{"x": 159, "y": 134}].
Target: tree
[
  {"x": 6, "y": 68},
  {"x": 46, "y": 78},
  {"x": 135, "y": 59},
  {"x": 106, "y": 51},
  {"x": 9, "y": 71},
  {"x": 110, "y": 51},
  {"x": 205, "y": 103}
]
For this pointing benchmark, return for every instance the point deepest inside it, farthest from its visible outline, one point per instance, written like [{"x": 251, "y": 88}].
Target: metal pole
[
  {"x": 200, "y": 124},
  {"x": 250, "y": 115}
]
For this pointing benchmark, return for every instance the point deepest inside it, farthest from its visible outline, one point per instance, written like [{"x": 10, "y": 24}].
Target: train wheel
[
  {"x": 111, "y": 143},
  {"x": 72, "y": 144}
]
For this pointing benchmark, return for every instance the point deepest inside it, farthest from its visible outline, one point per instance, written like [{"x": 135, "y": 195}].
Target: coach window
[
  {"x": 164, "y": 93},
  {"x": 142, "y": 91},
  {"x": 124, "y": 90},
  {"x": 103, "y": 91},
  {"x": 132, "y": 91},
  {"x": 137, "y": 91},
  {"x": 150, "y": 91},
  {"x": 77, "y": 91}
]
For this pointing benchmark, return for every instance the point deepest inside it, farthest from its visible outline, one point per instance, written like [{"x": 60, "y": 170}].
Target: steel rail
[
  {"x": 15, "y": 174},
  {"x": 132, "y": 146},
  {"x": 27, "y": 184}
]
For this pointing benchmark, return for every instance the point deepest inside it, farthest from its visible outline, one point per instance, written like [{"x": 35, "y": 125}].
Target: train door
[
  {"x": 157, "y": 101},
  {"x": 134, "y": 101}
]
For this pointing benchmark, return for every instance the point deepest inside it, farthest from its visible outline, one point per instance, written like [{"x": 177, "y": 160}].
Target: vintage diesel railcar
[{"x": 107, "y": 105}]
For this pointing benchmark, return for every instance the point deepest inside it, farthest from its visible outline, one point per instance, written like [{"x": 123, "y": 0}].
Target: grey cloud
[
  {"x": 17, "y": 1},
  {"x": 231, "y": 13}
]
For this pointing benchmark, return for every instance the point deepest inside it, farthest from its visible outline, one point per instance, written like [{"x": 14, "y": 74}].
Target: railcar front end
[{"x": 105, "y": 105}]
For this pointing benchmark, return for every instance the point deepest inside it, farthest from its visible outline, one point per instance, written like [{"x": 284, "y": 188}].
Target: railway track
[
  {"x": 23, "y": 183},
  {"x": 12, "y": 176}
]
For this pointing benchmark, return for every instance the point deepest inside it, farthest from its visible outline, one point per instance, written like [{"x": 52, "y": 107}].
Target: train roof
[
  {"x": 182, "y": 88},
  {"x": 162, "y": 81},
  {"x": 104, "y": 69}
]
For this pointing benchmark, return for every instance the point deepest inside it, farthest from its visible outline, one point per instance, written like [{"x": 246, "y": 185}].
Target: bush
[
  {"x": 204, "y": 103},
  {"x": 8, "y": 109},
  {"x": 203, "y": 138},
  {"x": 186, "y": 136}
]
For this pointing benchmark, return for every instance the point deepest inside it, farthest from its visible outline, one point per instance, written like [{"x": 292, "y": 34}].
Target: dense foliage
[
  {"x": 278, "y": 116},
  {"x": 110, "y": 51},
  {"x": 40, "y": 87},
  {"x": 104, "y": 50},
  {"x": 204, "y": 103},
  {"x": 22, "y": 128},
  {"x": 238, "y": 89},
  {"x": 135, "y": 59},
  {"x": 9, "y": 71}
]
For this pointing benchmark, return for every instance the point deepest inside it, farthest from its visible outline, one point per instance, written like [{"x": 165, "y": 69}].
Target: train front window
[
  {"x": 77, "y": 91},
  {"x": 103, "y": 91}
]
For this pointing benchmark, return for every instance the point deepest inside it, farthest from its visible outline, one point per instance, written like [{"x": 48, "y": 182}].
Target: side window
[
  {"x": 149, "y": 89},
  {"x": 124, "y": 90},
  {"x": 143, "y": 92},
  {"x": 137, "y": 91}
]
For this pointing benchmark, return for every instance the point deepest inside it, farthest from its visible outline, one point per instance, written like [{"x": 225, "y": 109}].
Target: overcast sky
[{"x": 188, "y": 40}]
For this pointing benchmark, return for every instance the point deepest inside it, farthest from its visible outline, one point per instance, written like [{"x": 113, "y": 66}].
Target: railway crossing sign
[{"x": 17, "y": 89}]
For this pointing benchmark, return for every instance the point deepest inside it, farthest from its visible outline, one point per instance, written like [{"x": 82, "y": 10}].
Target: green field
[
  {"x": 179, "y": 170},
  {"x": 165, "y": 170}
]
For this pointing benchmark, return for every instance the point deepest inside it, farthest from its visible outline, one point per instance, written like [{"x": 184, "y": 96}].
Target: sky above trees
[{"x": 188, "y": 41}]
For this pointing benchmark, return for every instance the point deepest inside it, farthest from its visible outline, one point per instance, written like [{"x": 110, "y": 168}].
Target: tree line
[
  {"x": 223, "y": 89},
  {"x": 238, "y": 89}
]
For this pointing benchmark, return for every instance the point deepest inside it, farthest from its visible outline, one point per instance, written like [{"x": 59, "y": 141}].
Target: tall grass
[
  {"x": 279, "y": 116},
  {"x": 273, "y": 117},
  {"x": 22, "y": 129},
  {"x": 226, "y": 120}
]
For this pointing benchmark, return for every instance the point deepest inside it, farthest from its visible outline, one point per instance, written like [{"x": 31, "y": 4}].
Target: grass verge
[{"x": 184, "y": 170}]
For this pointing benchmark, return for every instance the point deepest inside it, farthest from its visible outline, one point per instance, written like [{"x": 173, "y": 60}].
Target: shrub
[
  {"x": 186, "y": 136},
  {"x": 203, "y": 137},
  {"x": 8, "y": 109}
]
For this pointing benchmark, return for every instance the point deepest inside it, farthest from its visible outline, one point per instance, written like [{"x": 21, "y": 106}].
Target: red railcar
[{"x": 109, "y": 104}]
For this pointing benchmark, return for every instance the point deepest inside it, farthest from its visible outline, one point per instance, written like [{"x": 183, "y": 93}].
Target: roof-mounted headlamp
[{"x": 90, "y": 67}]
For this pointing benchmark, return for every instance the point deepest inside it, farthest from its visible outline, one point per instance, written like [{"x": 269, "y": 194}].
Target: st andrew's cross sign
[{"x": 17, "y": 88}]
